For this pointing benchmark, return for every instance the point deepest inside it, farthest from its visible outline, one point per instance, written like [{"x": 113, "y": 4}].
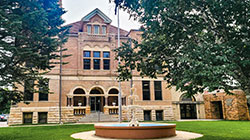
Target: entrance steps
[{"x": 97, "y": 117}]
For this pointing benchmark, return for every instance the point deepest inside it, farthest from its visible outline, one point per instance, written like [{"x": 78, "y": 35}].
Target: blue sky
[{"x": 76, "y": 9}]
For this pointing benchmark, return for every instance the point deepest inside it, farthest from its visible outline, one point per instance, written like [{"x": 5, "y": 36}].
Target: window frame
[
  {"x": 104, "y": 65},
  {"x": 104, "y": 53},
  {"x": 84, "y": 64},
  {"x": 157, "y": 91},
  {"x": 96, "y": 52},
  {"x": 104, "y": 33},
  {"x": 89, "y": 29},
  {"x": 146, "y": 92},
  {"x": 99, "y": 65},
  {"x": 29, "y": 95},
  {"x": 98, "y": 29},
  {"x": 86, "y": 52}
]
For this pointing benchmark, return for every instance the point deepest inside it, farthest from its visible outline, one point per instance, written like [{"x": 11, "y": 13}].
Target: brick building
[{"x": 89, "y": 83}]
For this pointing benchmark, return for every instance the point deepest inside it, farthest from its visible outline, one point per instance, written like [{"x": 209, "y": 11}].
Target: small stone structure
[{"x": 229, "y": 107}]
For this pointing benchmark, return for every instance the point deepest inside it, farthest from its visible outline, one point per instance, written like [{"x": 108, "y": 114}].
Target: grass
[
  {"x": 212, "y": 130},
  {"x": 58, "y": 132},
  {"x": 217, "y": 130}
]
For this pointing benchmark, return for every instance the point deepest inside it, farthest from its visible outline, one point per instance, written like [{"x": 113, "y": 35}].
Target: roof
[
  {"x": 77, "y": 26},
  {"x": 99, "y": 13}
]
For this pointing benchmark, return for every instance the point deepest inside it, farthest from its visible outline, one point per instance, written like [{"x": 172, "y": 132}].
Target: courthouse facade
[{"x": 89, "y": 82}]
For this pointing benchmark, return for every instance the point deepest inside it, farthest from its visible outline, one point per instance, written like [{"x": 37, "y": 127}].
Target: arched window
[
  {"x": 96, "y": 91},
  {"x": 79, "y": 91},
  {"x": 185, "y": 97},
  {"x": 113, "y": 91}
]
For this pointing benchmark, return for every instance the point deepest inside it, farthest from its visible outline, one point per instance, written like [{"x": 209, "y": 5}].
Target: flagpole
[{"x": 119, "y": 61}]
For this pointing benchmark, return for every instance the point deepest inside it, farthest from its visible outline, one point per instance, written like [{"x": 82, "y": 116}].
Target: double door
[
  {"x": 188, "y": 111},
  {"x": 96, "y": 103}
]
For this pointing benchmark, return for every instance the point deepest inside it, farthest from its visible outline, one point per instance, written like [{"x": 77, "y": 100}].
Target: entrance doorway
[
  {"x": 188, "y": 111},
  {"x": 217, "y": 109},
  {"x": 97, "y": 103}
]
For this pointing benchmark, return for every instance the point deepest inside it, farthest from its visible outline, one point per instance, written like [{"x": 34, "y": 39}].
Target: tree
[
  {"x": 30, "y": 33},
  {"x": 197, "y": 45}
]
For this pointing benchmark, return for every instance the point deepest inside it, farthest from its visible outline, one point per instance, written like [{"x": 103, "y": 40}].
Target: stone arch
[
  {"x": 77, "y": 87},
  {"x": 184, "y": 97},
  {"x": 99, "y": 86},
  {"x": 97, "y": 90},
  {"x": 79, "y": 91},
  {"x": 115, "y": 88}
]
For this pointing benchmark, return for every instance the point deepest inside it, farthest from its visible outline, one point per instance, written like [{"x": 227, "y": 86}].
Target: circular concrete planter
[{"x": 148, "y": 131}]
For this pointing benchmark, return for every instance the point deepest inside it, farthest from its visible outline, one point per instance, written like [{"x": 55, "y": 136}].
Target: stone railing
[{"x": 79, "y": 110}]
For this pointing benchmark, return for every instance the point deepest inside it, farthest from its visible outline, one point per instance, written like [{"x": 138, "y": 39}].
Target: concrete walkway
[{"x": 181, "y": 135}]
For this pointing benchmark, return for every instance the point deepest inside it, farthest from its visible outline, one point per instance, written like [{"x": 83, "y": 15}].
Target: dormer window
[
  {"x": 96, "y": 29},
  {"x": 89, "y": 29},
  {"x": 104, "y": 30}
]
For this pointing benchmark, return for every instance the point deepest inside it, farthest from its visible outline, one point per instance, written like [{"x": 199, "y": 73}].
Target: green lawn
[
  {"x": 62, "y": 132},
  {"x": 217, "y": 130},
  {"x": 212, "y": 130}
]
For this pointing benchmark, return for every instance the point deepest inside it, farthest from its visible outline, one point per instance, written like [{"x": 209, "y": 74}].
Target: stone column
[
  {"x": 106, "y": 100},
  {"x": 87, "y": 99},
  {"x": 153, "y": 115},
  {"x": 35, "y": 118}
]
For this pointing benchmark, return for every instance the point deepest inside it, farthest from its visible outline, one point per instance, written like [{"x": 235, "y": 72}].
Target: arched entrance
[
  {"x": 97, "y": 100},
  {"x": 187, "y": 107}
]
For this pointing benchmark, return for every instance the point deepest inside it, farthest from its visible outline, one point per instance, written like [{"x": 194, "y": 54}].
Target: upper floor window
[
  {"x": 158, "y": 91},
  {"x": 104, "y": 30},
  {"x": 89, "y": 29},
  {"x": 96, "y": 64},
  {"x": 86, "y": 54},
  {"x": 106, "y": 64},
  {"x": 146, "y": 90},
  {"x": 43, "y": 91},
  {"x": 96, "y": 54},
  {"x": 106, "y": 54},
  {"x": 28, "y": 90},
  {"x": 86, "y": 64},
  {"x": 96, "y": 29}
]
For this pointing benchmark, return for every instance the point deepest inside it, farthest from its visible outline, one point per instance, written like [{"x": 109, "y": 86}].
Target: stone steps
[{"x": 94, "y": 117}]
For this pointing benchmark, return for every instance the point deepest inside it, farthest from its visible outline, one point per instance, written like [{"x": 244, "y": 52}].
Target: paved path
[
  {"x": 3, "y": 124},
  {"x": 181, "y": 135}
]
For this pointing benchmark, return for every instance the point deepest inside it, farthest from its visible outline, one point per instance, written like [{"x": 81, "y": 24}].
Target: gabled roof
[{"x": 99, "y": 13}]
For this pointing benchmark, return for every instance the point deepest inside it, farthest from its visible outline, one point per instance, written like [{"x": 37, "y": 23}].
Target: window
[
  {"x": 96, "y": 64},
  {"x": 157, "y": 88},
  {"x": 113, "y": 91},
  {"x": 96, "y": 54},
  {"x": 96, "y": 29},
  {"x": 89, "y": 29},
  {"x": 147, "y": 115},
  {"x": 159, "y": 115},
  {"x": 104, "y": 30},
  {"x": 146, "y": 90},
  {"x": 43, "y": 91},
  {"x": 79, "y": 91},
  {"x": 27, "y": 117},
  {"x": 86, "y": 64},
  {"x": 42, "y": 117},
  {"x": 28, "y": 90},
  {"x": 106, "y": 64},
  {"x": 79, "y": 101},
  {"x": 106, "y": 54},
  {"x": 86, "y": 54}
]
